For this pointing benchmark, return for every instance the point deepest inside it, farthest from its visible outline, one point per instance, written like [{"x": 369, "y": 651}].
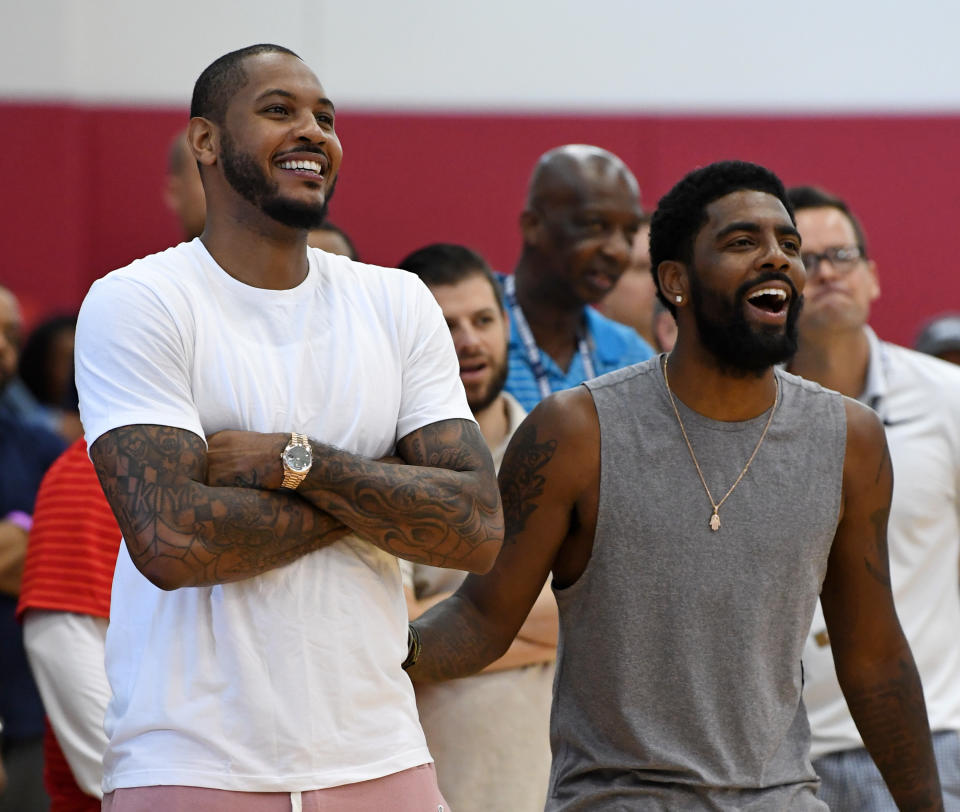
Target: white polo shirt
[{"x": 918, "y": 399}]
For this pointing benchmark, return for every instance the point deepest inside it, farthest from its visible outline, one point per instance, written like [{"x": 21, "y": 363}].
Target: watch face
[{"x": 297, "y": 458}]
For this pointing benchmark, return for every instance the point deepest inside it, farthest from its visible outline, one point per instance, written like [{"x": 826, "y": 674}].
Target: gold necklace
[{"x": 715, "y": 516}]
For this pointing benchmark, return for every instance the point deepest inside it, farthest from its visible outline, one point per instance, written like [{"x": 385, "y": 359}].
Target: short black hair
[
  {"x": 35, "y": 360},
  {"x": 812, "y": 197},
  {"x": 223, "y": 78},
  {"x": 443, "y": 263},
  {"x": 682, "y": 211}
]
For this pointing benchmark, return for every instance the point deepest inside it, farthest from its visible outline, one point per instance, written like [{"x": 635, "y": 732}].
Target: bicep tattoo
[{"x": 521, "y": 482}]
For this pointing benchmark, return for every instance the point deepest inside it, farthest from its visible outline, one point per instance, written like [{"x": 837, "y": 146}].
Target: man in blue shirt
[
  {"x": 578, "y": 225},
  {"x": 26, "y": 451}
]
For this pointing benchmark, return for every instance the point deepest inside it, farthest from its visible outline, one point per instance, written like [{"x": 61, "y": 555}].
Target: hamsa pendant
[{"x": 715, "y": 521}]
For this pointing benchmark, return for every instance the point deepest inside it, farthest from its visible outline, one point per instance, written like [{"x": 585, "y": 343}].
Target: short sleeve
[
  {"x": 432, "y": 390},
  {"x": 131, "y": 360}
]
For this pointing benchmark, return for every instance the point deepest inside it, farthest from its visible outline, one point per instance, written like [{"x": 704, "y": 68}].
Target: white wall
[{"x": 669, "y": 55}]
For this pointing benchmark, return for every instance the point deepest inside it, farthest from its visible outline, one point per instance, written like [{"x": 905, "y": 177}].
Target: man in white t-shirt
[
  {"x": 918, "y": 400},
  {"x": 489, "y": 733},
  {"x": 273, "y": 426}
]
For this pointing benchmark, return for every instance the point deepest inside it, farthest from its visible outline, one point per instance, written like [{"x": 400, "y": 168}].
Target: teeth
[
  {"x": 778, "y": 292},
  {"x": 310, "y": 166}
]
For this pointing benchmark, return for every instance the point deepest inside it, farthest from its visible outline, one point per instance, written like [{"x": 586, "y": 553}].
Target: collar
[{"x": 875, "y": 386}]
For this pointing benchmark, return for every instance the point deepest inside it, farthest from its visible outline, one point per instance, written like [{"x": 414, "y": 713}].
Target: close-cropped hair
[
  {"x": 682, "y": 211},
  {"x": 220, "y": 81},
  {"x": 812, "y": 197},
  {"x": 449, "y": 264}
]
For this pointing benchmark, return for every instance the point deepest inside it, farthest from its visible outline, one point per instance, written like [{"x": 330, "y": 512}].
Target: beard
[
  {"x": 492, "y": 390},
  {"x": 740, "y": 348},
  {"x": 247, "y": 180}
]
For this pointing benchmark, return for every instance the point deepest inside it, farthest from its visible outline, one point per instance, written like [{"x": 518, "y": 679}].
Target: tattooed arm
[
  {"x": 873, "y": 660},
  {"x": 548, "y": 481},
  {"x": 441, "y": 508},
  {"x": 181, "y": 532}
]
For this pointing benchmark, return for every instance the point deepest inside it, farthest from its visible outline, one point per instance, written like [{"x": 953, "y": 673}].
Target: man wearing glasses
[{"x": 918, "y": 399}]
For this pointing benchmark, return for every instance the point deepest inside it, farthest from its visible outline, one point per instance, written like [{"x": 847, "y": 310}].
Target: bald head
[
  {"x": 565, "y": 174},
  {"x": 581, "y": 216}
]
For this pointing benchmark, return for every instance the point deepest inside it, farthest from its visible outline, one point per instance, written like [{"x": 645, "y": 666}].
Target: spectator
[
  {"x": 941, "y": 337},
  {"x": 488, "y": 734},
  {"x": 46, "y": 369},
  {"x": 26, "y": 451},
  {"x": 64, "y": 606},
  {"x": 578, "y": 226},
  {"x": 918, "y": 400},
  {"x": 332, "y": 239}
]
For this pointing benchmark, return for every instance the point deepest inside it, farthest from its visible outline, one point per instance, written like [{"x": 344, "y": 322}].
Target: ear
[
  {"x": 673, "y": 281},
  {"x": 874, "y": 280},
  {"x": 531, "y": 226},
  {"x": 203, "y": 138}
]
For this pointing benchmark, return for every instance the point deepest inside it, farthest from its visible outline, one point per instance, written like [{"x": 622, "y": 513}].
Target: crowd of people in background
[{"x": 273, "y": 424}]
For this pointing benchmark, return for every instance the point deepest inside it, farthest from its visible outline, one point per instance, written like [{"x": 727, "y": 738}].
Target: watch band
[{"x": 291, "y": 478}]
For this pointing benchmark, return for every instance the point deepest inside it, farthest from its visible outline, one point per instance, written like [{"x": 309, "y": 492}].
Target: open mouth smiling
[{"x": 770, "y": 300}]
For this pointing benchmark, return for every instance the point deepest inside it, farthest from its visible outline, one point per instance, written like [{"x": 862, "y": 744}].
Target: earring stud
[{"x": 679, "y": 298}]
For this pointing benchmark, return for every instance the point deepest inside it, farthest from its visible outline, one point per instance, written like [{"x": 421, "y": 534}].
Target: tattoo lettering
[
  {"x": 892, "y": 717},
  {"x": 521, "y": 484},
  {"x": 183, "y": 533},
  {"x": 877, "y": 561}
]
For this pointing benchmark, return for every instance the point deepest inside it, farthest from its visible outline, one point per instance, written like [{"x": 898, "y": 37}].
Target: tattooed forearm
[
  {"x": 892, "y": 718},
  {"x": 442, "y": 508},
  {"x": 520, "y": 481},
  {"x": 456, "y": 642},
  {"x": 179, "y": 532}
]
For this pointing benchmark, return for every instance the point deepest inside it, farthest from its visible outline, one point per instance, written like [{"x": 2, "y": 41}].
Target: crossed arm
[
  {"x": 192, "y": 516},
  {"x": 874, "y": 664}
]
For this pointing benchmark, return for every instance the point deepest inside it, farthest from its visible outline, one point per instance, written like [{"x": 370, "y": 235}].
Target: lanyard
[{"x": 530, "y": 347}]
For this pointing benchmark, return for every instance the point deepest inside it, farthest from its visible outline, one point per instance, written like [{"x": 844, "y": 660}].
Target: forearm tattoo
[
  {"x": 456, "y": 642},
  {"x": 188, "y": 534},
  {"x": 442, "y": 508},
  {"x": 892, "y": 719},
  {"x": 520, "y": 481}
]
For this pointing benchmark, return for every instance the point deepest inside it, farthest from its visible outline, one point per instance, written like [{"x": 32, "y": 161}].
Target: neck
[
  {"x": 554, "y": 321},
  {"x": 697, "y": 380},
  {"x": 836, "y": 360},
  {"x": 494, "y": 422},
  {"x": 257, "y": 250}
]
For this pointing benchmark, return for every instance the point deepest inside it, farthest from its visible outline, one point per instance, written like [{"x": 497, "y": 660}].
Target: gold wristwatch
[{"x": 297, "y": 458}]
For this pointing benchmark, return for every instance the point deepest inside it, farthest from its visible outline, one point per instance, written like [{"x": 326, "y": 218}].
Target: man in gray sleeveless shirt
[{"x": 692, "y": 508}]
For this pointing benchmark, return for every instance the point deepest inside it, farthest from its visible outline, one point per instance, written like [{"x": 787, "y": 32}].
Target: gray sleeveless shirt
[{"x": 679, "y": 680}]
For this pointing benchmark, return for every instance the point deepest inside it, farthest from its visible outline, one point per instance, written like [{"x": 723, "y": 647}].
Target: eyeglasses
[{"x": 842, "y": 259}]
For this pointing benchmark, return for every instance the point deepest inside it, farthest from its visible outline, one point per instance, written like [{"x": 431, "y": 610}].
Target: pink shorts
[{"x": 413, "y": 790}]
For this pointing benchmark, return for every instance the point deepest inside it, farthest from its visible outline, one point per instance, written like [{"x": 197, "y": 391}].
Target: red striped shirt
[
  {"x": 73, "y": 543},
  {"x": 71, "y": 556}
]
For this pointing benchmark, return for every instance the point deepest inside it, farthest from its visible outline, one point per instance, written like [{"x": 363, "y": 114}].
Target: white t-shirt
[
  {"x": 918, "y": 399},
  {"x": 290, "y": 680}
]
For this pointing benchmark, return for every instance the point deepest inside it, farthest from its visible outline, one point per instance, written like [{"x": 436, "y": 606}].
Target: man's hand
[
  {"x": 13, "y": 551},
  {"x": 245, "y": 459}
]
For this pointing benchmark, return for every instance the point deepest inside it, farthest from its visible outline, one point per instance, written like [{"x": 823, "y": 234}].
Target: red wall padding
[{"x": 82, "y": 186}]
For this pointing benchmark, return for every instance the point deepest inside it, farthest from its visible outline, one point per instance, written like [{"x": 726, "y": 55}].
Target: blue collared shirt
[{"x": 611, "y": 346}]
